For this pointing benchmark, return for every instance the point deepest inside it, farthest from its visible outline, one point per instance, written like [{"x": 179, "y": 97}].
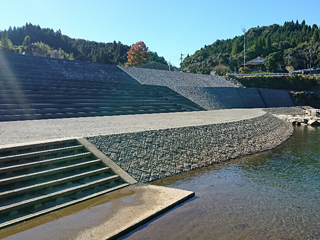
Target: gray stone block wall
[
  {"x": 173, "y": 79},
  {"x": 212, "y": 98},
  {"x": 211, "y": 92},
  {"x": 156, "y": 154}
]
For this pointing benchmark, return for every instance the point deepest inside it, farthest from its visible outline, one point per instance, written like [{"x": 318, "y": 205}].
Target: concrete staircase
[
  {"x": 37, "y": 179},
  {"x": 42, "y": 88}
]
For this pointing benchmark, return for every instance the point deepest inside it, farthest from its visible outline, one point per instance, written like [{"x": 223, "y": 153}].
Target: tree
[
  {"x": 26, "y": 42},
  {"x": 315, "y": 36},
  {"x": 235, "y": 47},
  {"x": 267, "y": 48},
  {"x": 6, "y": 45},
  {"x": 258, "y": 47},
  {"x": 137, "y": 55},
  {"x": 221, "y": 69},
  {"x": 271, "y": 61},
  {"x": 154, "y": 57},
  {"x": 42, "y": 48}
]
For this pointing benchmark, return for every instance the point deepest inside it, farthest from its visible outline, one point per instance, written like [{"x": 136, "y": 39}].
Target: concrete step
[
  {"x": 52, "y": 183},
  {"x": 67, "y": 92},
  {"x": 57, "y": 84},
  {"x": 37, "y": 147},
  {"x": 32, "y": 164},
  {"x": 55, "y": 195},
  {"x": 20, "y": 117},
  {"x": 41, "y": 88},
  {"x": 39, "y": 178},
  {"x": 57, "y": 113},
  {"x": 23, "y": 217},
  {"x": 117, "y": 99},
  {"x": 39, "y": 98},
  {"x": 41, "y": 153},
  {"x": 43, "y": 173},
  {"x": 41, "y": 107}
]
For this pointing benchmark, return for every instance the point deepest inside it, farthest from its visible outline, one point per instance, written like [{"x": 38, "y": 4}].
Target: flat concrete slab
[
  {"x": 276, "y": 98},
  {"x": 212, "y": 98},
  {"x": 106, "y": 217},
  {"x": 227, "y": 97},
  {"x": 251, "y": 98},
  {"x": 21, "y": 132}
]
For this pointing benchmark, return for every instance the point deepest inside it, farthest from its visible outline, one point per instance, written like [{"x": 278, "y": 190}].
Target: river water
[{"x": 271, "y": 195}]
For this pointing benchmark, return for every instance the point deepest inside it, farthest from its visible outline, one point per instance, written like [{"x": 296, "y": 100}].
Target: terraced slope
[
  {"x": 37, "y": 179},
  {"x": 42, "y": 88}
]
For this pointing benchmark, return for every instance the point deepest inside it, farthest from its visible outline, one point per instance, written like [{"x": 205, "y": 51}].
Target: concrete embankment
[
  {"x": 212, "y": 92},
  {"x": 150, "y": 155}
]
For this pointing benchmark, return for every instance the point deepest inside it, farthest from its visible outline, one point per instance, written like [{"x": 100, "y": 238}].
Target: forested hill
[
  {"x": 18, "y": 39},
  {"x": 288, "y": 45}
]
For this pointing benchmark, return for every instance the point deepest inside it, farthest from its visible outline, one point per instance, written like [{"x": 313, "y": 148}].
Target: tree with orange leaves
[{"x": 137, "y": 55}]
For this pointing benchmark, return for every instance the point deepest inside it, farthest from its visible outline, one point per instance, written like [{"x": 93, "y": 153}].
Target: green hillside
[
  {"x": 288, "y": 45},
  {"x": 20, "y": 39}
]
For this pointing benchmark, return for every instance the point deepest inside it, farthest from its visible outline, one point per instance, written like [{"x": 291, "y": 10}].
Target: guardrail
[
  {"x": 257, "y": 74},
  {"x": 268, "y": 74}
]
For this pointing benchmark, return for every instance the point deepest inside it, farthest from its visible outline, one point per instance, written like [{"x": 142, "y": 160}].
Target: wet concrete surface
[{"x": 104, "y": 217}]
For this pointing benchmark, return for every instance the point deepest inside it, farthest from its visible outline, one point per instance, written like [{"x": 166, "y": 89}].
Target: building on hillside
[
  {"x": 55, "y": 54},
  {"x": 256, "y": 65},
  {"x": 33, "y": 51}
]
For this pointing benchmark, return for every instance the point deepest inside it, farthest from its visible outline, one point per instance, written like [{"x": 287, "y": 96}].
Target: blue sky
[{"x": 167, "y": 27}]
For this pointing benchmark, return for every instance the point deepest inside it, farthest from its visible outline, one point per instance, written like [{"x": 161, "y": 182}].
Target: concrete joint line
[{"x": 115, "y": 168}]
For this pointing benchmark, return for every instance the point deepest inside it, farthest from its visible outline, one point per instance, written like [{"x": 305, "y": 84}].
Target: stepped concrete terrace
[
  {"x": 58, "y": 158},
  {"x": 43, "y": 88}
]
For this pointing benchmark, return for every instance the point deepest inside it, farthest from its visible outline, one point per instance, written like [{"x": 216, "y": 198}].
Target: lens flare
[{"x": 12, "y": 94}]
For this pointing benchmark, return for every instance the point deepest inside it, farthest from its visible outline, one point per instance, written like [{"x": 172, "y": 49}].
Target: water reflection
[{"x": 272, "y": 195}]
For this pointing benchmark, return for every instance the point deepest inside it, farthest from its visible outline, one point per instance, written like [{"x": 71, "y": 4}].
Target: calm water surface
[{"x": 272, "y": 195}]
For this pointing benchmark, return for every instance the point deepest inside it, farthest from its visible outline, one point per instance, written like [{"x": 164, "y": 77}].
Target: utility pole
[
  {"x": 181, "y": 59},
  {"x": 169, "y": 66},
  {"x": 244, "y": 46}
]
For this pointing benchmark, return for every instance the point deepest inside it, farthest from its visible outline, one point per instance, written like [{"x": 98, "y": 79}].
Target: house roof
[{"x": 256, "y": 61}]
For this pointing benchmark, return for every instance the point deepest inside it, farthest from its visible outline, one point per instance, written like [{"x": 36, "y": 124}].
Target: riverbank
[
  {"x": 153, "y": 146},
  {"x": 150, "y": 147},
  {"x": 156, "y": 154},
  {"x": 310, "y": 117}
]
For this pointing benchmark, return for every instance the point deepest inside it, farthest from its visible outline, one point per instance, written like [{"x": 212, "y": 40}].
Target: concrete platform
[
  {"x": 34, "y": 131},
  {"x": 106, "y": 217}
]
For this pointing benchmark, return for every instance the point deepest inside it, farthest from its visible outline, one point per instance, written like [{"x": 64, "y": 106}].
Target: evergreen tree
[
  {"x": 235, "y": 47},
  {"x": 267, "y": 47},
  {"x": 315, "y": 36}
]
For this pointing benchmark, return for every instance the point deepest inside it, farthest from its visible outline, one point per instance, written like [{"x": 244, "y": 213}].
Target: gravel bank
[
  {"x": 151, "y": 155},
  {"x": 286, "y": 110}
]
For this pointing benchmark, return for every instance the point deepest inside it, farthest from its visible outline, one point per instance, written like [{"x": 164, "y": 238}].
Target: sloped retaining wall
[
  {"x": 150, "y": 155},
  {"x": 212, "y": 92},
  {"x": 212, "y": 98}
]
